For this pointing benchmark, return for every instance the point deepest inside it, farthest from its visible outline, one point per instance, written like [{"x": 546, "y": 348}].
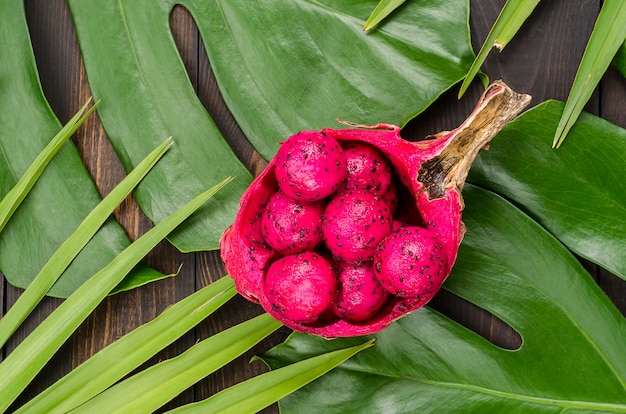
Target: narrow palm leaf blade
[
  {"x": 115, "y": 361},
  {"x": 508, "y": 23},
  {"x": 23, "y": 364},
  {"x": 65, "y": 192},
  {"x": 12, "y": 200},
  {"x": 153, "y": 387},
  {"x": 606, "y": 38},
  {"x": 70, "y": 248},
  {"x": 382, "y": 10},
  {"x": 259, "y": 392}
]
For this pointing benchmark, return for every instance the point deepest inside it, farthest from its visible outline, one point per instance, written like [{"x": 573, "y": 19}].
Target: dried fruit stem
[{"x": 498, "y": 105}]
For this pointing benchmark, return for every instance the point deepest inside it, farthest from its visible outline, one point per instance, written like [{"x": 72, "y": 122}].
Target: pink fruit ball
[
  {"x": 368, "y": 169},
  {"x": 411, "y": 262},
  {"x": 361, "y": 295},
  {"x": 390, "y": 197},
  {"x": 310, "y": 166},
  {"x": 291, "y": 226},
  {"x": 301, "y": 287},
  {"x": 354, "y": 223}
]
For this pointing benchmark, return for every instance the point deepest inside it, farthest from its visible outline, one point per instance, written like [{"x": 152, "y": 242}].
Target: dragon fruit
[
  {"x": 368, "y": 169},
  {"x": 390, "y": 197},
  {"x": 389, "y": 242}
]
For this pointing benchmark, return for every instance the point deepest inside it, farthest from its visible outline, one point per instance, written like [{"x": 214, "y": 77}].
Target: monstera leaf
[
  {"x": 572, "y": 349},
  {"x": 65, "y": 193},
  {"x": 578, "y": 194},
  {"x": 273, "y": 90},
  {"x": 281, "y": 67}
]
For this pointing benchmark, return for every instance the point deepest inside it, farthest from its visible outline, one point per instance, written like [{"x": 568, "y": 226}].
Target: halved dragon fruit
[{"x": 398, "y": 233}]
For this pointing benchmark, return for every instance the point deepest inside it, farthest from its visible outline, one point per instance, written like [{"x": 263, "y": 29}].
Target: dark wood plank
[{"x": 542, "y": 58}]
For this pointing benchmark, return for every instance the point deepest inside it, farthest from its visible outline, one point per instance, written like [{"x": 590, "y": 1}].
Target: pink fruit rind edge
[{"x": 442, "y": 215}]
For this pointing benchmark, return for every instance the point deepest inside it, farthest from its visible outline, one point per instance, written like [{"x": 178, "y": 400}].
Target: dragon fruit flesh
[
  {"x": 290, "y": 226},
  {"x": 368, "y": 169},
  {"x": 361, "y": 294},
  {"x": 310, "y": 166},
  {"x": 354, "y": 224},
  {"x": 301, "y": 287},
  {"x": 347, "y": 230},
  {"x": 409, "y": 251}
]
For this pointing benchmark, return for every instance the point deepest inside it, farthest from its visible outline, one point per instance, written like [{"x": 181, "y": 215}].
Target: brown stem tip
[{"x": 497, "y": 106}]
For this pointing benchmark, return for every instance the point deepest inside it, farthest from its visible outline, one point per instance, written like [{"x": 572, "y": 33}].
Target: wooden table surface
[{"x": 541, "y": 61}]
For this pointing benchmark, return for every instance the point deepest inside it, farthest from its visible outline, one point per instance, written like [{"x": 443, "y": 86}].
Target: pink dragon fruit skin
[
  {"x": 242, "y": 243},
  {"x": 291, "y": 226},
  {"x": 430, "y": 172},
  {"x": 310, "y": 166},
  {"x": 354, "y": 223}
]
